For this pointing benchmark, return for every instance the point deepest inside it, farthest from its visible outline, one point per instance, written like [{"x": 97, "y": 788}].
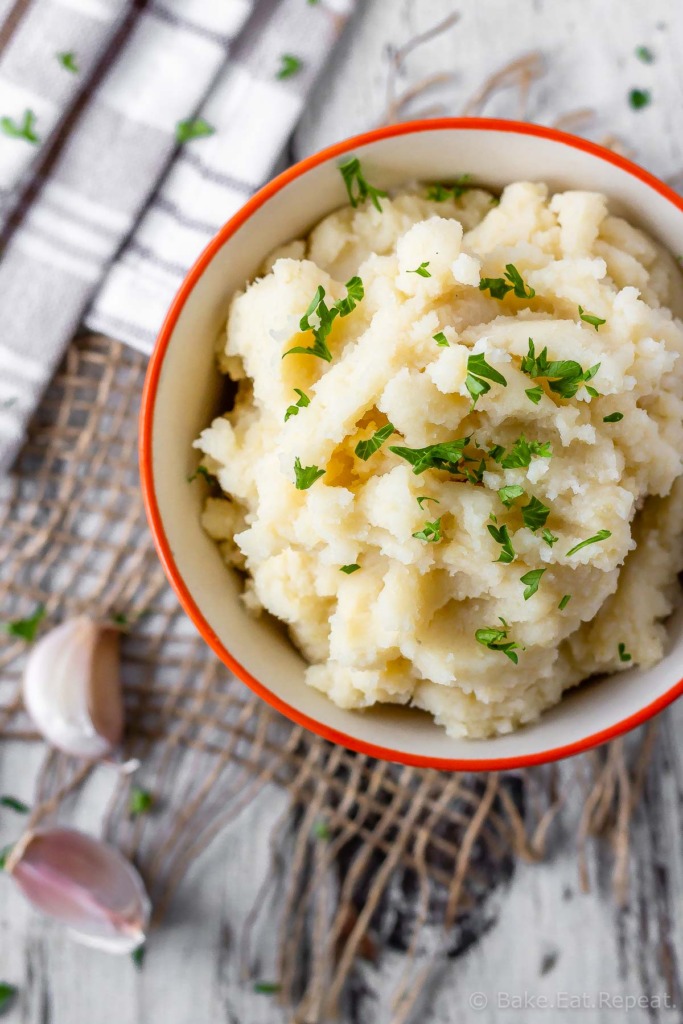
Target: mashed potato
[{"x": 532, "y": 340}]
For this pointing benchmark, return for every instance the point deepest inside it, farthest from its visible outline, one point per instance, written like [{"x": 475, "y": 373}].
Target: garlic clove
[
  {"x": 72, "y": 688},
  {"x": 85, "y": 884}
]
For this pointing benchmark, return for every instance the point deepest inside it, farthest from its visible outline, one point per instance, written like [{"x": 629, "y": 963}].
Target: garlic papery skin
[
  {"x": 72, "y": 688},
  {"x": 85, "y": 884}
]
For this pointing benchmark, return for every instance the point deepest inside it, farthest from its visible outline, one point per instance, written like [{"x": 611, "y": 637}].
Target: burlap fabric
[{"x": 359, "y": 836}]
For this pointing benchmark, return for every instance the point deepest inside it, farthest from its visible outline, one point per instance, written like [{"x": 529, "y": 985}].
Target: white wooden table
[{"x": 545, "y": 937}]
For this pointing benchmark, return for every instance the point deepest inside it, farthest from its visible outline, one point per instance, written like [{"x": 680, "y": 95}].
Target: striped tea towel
[{"x": 91, "y": 93}]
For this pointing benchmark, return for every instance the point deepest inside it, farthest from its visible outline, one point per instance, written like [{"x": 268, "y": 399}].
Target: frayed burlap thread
[{"x": 367, "y": 853}]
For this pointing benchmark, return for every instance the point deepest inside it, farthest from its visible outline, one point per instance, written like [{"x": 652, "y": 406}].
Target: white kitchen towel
[{"x": 106, "y": 134}]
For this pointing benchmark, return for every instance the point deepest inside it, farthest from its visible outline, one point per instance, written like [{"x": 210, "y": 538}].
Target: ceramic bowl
[{"x": 182, "y": 394}]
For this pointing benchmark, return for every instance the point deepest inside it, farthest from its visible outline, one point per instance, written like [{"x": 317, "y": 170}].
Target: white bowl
[{"x": 182, "y": 392}]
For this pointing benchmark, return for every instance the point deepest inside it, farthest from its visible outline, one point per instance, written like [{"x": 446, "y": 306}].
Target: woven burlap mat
[{"x": 357, "y": 831}]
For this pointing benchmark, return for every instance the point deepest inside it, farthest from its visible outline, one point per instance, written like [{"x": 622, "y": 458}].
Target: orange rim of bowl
[{"x": 147, "y": 418}]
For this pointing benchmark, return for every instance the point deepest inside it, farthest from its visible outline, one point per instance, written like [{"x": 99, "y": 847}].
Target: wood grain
[{"x": 537, "y": 932}]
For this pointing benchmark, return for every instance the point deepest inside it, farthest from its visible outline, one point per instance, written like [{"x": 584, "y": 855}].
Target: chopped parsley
[
  {"x": 564, "y": 376},
  {"x": 20, "y": 130},
  {"x": 477, "y": 370},
  {"x": 430, "y": 532},
  {"x": 613, "y": 417},
  {"x": 502, "y": 537},
  {"x": 425, "y": 497},
  {"x": 203, "y": 471},
  {"x": 439, "y": 192},
  {"x": 7, "y": 995},
  {"x": 475, "y": 476},
  {"x": 549, "y": 538},
  {"x": 639, "y": 98},
  {"x": 534, "y": 394},
  {"x": 508, "y": 494},
  {"x": 535, "y": 514},
  {"x": 325, "y": 317},
  {"x": 303, "y": 401},
  {"x": 306, "y": 476},
  {"x": 364, "y": 449},
  {"x": 499, "y": 286},
  {"x": 421, "y": 270},
  {"x": 5, "y": 852},
  {"x": 193, "y": 128},
  {"x": 13, "y": 804},
  {"x": 26, "y": 629},
  {"x": 564, "y": 602},
  {"x": 445, "y": 455},
  {"x": 531, "y": 580},
  {"x": 68, "y": 62},
  {"x": 497, "y": 640},
  {"x": 600, "y": 535},
  {"x": 358, "y": 188},
  {"x": 348, "y": 569},
  {"x": 289, "y": 65},
  {"x": 267, "y": 988},
  {"x": 441, "y": 340},
  {"x": 589, "y": 318},
  {"x": 140, "y": 802},
  {"x": 321, "y": 830},
  {"x": 521, "y": 453},
  {"x": 623, "y": 653},
  {"x": 645, "y": 54}
]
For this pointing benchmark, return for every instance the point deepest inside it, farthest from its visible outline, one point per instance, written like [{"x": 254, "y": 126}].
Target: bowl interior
[{"x": 186, "y": 394}]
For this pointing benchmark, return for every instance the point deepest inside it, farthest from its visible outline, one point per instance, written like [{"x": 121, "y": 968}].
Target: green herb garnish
[
  {"x": 502, "y": 537},
  {"x": 623, "y": 653},
  {"x": 549, "y": 538},
  {"x": 645, "y": 54},
  {"x": 321, "y": 830},
  {"x": 303, "y": 401},
  {"x": 193, "y": 128},
  {"x": 600, "y": 535},
  {"x": 534, "y": 394},
  {"x": 421, "y": 270},
  {"x": 564, "y": 602},
  {"x": 430, "y": 532},
  {"x": 508, "y": 494},
  {"x": 521, "y": 453},
  {"x": 348, "y": 569},
  {"x": 20, "y": 130},
  {"x": 439, "y": 192},
  {"x": 289, "y": 65},
  {"x": 68, "y": 62},
  {"x": 445, "y": 455},
  {"x": 26, "y": 629},
  {"x": 7, "y": 995},
  {"x": 4, "y": 856},
  {"x": 639, "y": 98},
  {"x": 613, "y": 417},
  {"x": 497, "y": 640},
  {"x": 589, "y": 318},
  {"x": 306, "y": 475},
  {"x": 267, "y": 988},
  {"x": 477, "y": 370},
  {"x": 531, "y": 580},
  {"x": 364, "y": 449},
  {"x": 203, "y": 471},
  {"x": 441, "y": 340},
  {"x": 357, "y": 187},
  {"x": 535, "y": 514},
  {"x": 140, "y": 801},
  {"x": 499, "y": 287},
  {"x": 14, "y": 805},
  {"x": 326, "y": 317},
  {"x": 564, "y": 376},
  {"x": 425, "y": 497}
]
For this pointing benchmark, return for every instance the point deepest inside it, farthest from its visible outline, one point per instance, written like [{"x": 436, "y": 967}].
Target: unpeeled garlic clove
[
  {"x": 85, "y": 884},
  {"x": 72, "y": 688}
]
